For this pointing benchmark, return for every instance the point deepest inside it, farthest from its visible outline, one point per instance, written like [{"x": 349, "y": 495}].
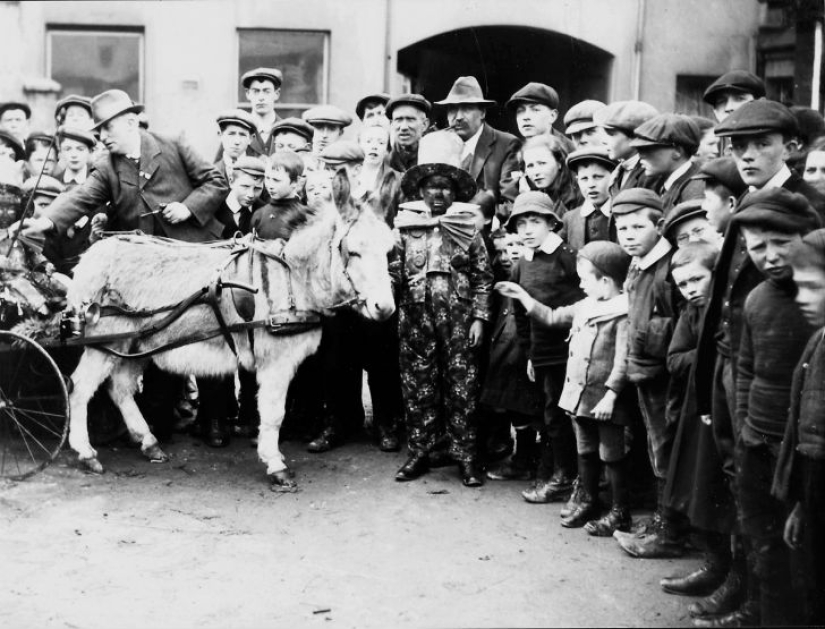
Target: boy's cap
[
  {"x": 47, "y": 187},
  {"x": 534, "y": 93},
  {"x": 607, "y": 257},
  {"x": 250, "y": 165},
  {"x": 294, "y": 125},
  {"x": 532, "y": 202},
  {"x": 625, "y": 115},
  {"x": 779, "y": 209},
  {"x": 239, "y": 117},
  {"x": 79, "y": 135},
  {"x": 263, "y": 74},
  {"x": 668, "y": 130},
  {"x": 737, "y": 81},
  {"x": 816, "y": 240},
  {"x": 15, "y": 144},
  {"x": 683, "y": 212},
  {"x": 635, "y": 199},
  {"x": 413, "y": 100},
  {"x": 42, "y": 136},
  {"x": 327, "y": 114},
  {"x": 342, "y": 152},
  {"x": 590, "y": 154},
  {"x": 580, "y": 116},
  {"x": 361, "y": 105},
  {"x": 4, "y": 107},
  {"x": 723, "y": 170},
  {"x": 71, "y": 100},
  {"x": 758, "y": 117}
]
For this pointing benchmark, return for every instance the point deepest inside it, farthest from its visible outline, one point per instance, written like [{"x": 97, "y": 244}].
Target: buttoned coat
[{"x": 492, "y": 149}]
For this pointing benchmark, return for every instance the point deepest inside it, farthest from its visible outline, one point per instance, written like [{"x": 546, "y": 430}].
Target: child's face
[
  {"x": 512, "y": 248},
  {"x": 593, "y": 180},
  {"x": 534, "y": 119},
  {"x": 696, "y": 229},
  {"x": 618, "y": 144},
  {"x": 7, "y": 152},
  {"x": 319, "y": 187},
  {"x": 728, "y": 101},
  {"x": 541, "y": 166},
  {"x": 325, "y": 134},
  {"x": 693, "y": 281},
  {"x": 815, "y": 170},
  {"x": 79, "y": 117},
  {"x": 719, "y": 209},
  {"x": 74, "y": 154},
  {"x": 708, "y": 147},
  {"x": 810, "y": 293},
  {"x": 658, "y": 160},
  {"x": 235, "y": 140},
  {"x": 759, "y": 157},
  {"x": 288, "y": 141},
  {"x": 593, "y": 285},
  {"x": 278, "y": 184},
  {"x": 637, "y": 233},
  {"x": 40, "y": 203},
  {"x": 246, "y": 188},
  {"x": 373, "y": 141},
  {"x": 533, "y": 229},
  {"x": 43, "y": 158},
  {"x": 769, "y": 250}
]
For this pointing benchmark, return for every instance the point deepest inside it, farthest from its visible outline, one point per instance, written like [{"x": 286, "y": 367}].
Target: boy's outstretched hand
[{"x": 512, "y": 290}]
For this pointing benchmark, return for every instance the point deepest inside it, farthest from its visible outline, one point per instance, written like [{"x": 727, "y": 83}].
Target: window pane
[
  {"x": 92, "y": 62},
  {"x": 299, "y": 55}
]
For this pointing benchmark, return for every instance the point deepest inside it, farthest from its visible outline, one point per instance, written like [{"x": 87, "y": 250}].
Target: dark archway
[{"x": 503, "y": 59}]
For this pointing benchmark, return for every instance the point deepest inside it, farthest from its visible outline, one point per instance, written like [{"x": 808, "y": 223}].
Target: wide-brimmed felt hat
[
  {"x": 78, "y": 135},
  {"x": 111, "y": 104},
  {"x": 361, "y": 105},
  {"x": 532, "y": 202},
  {"x": 533, "y": 92},
  {"x": 439, "y": 153},
  {"x": 466, "y": 91},
  {"x": 263, "y": 74},
  {"x": 735, "y": 81},
  {"x": 73, "y": 100},
  {"x": 15, "y": 144},
  {"x": 413, "y": 100},
  {"x": 237, "y": 117},
  {"x": 13, "y": 104}
]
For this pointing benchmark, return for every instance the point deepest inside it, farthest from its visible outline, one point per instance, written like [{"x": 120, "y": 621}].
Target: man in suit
[{"x": 485, "y": 148}]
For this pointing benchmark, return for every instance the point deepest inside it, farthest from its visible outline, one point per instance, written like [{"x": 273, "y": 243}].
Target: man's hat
[
  {"x": 723, "y": 170},
  {"x": 588, "y": 154},
  {"x": 736, "y": 81},
  {"x": 532, "y": 202},
  {"x": 607, "y": 257},
  {"x": 538, "y": 93},
  {"x": 635, "y": 199},
  {"x": 439, "y": 153},
  {"x": 683, "y": 212},
  {"x": 237, "y": 117},
  {"x": 250, "y": 165},
  {"x": 413, "y": 100},
  {"x": 14, "y": 143},
  {"x": 342, "y": 152},
  {"x": 44, "y": 137},
  {"x": 758, "y": 117},
  {"x": 78, "y": 135},
  {"x": 466, "y": 91},
  {"x": 47, "y": 187},
  {"x": 778, "y": 209},
  {"x": 73, "y": 100},
  {"x": 294, "y": 125},
  {"x": 580, "y": 116},
  {"x": 625, "y": 115},
  {"x": 263, "y": 74},
  {"x": 668, "y": 130},
  {"x": 111, "y": 104},
  {"x": 327, "y": 114},
  {"x": 4, "y": 107},
  {"x": 361, "y": 105}
]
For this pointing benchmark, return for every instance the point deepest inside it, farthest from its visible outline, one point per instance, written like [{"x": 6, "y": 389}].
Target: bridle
[{"x": 343, "y": 252}]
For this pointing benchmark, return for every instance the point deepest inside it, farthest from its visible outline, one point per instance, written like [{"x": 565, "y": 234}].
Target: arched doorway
[{"x": 503, "y": 59}]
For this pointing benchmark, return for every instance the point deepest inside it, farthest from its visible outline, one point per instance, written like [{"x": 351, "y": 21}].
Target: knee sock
[{"x": 617, "y": 475}]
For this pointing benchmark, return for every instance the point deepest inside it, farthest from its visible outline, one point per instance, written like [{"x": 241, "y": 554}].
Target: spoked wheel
[{"x": 34, "y": 407}]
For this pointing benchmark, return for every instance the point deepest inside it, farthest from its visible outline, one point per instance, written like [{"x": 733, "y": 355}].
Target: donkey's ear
[{"x": 341, "y": 188}]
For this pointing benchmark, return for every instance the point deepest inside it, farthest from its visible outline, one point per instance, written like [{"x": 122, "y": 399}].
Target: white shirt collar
[
  {"x": 587, "y": 208},
  {"x": 659, "y": 251},
  {"x": 630, "y": 162},
  {"x": 79, "y": 177},
  {"x": 470, "y": 145},
  {"x": 676, "y": 174},
  {"x": 550, "y": 244},
  {"x": 233, "y": 204},
  {"x": 777, "y": 181}
]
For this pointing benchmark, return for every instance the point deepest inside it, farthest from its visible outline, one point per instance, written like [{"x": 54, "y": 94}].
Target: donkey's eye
[{"x": 354, "y": 254}]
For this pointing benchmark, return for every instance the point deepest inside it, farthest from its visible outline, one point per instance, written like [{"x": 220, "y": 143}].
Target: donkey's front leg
[
  {"x": 273, "y": 381},
  {"x": 93, "y": 368}
]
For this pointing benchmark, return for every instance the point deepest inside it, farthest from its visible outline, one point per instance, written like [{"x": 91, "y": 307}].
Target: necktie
[{"x": 467, "y": 162}]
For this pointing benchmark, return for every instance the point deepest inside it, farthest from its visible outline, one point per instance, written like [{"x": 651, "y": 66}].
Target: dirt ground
[{"x": 202, "y": 542}]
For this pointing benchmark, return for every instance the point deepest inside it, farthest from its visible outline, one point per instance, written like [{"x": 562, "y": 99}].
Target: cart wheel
[{"x": 34, "y": 407}]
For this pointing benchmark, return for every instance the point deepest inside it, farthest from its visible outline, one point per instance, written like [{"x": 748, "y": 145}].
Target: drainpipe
[
  {"x": 637, "y": 50},
  {"x": 816, "y": 80},
  {"x": 387, "y": 46}
]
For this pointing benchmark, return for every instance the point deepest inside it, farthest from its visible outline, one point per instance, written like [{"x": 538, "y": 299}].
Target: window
[
  {"x": 689, "y": 91},
  {"x": 90, "y": 61},
  {"x": 302, "y": 57}
]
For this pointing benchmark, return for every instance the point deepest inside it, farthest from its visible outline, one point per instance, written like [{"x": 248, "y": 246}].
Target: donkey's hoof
[
  {"x": 282, "y": 481},
  {"x": 92, "y": 465},
  {"x": 155, "y": 454}
]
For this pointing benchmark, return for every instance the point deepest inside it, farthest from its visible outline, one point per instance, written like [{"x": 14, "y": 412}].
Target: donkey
[{"x": 330, "y": 263}]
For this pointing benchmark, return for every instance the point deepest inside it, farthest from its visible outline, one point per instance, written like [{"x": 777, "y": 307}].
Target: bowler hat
[
  {"x": 439, "y": 153},
  {"x": 588, "y": 154},
  {"x": 538, "y": 93},
  {"x": 78, "y": 135},
  {"x": 532, "y": 202},
  {"x": 778, "y": 209},
  {"x": 758, "y": 117},
  {"x": 342, "y": 152},
  {"x": 634, "y": 199},
  {"x": 14, "y": 143},
  {"x": 668, "y": 130},
  {"x": 294, "y": 125},
  {"x": 250, "y": 165},
  {"x": 237, "y": 117},
  {"x": 73, "y": 100},
  {"x": 684, "y": 211},
  {"x": 466, "y": 91},
  {"x": 263, "y": 74},
  {"x": 625, "y": 115},
  {"x": 361, "y": 105},
  {"x": 327, "y": 114},
  {"x": 413, "y": 100},
  {"x": 47, "y": 186},
  {"x": 736, "y": 81},
  {"x": 4, "y": 107},
  {"x": 723, "y": 170},
  {"x": 580, "y": 116},
  {"x": 607, "y": 257},
  {"x": 111, "y": 104}
]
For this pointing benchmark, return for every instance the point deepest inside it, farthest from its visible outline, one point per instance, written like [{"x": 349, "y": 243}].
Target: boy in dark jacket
[
  {"x": 591, "y": 220},
  {"x": 284, "y": 212}
]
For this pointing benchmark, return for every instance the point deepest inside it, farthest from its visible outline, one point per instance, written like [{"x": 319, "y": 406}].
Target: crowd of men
[{"x": 632, "y": 306}]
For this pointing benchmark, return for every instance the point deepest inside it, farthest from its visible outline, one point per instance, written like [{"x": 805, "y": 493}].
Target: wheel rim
[{"x": 34, "y": 407}]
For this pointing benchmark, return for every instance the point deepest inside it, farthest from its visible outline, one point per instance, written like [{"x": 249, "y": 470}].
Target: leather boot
[
  {"x": 745, "y": 616},
  {"x": 470, "y": 474},
  {"x": 416, "y": 465},
  {"x": 574, "y": 500},
  {"x": 522, "y": 464},
  {"x": 588, "y": 509},
  {"x": 663, "y": 543},
  {"x": 710, "y": 575},
  {"x": 617, "y": 519},
  {"x": 217, "y": 432},
  {"x": 727, "y": 597}
]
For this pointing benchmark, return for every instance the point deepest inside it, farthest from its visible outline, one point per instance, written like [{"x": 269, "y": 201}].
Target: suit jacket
[
  {"x": 683, "y": 189},
  {"x": 635, "y": 178},
  {"x": 492, "y": 149},
  {"x": 169, "y": 171}
]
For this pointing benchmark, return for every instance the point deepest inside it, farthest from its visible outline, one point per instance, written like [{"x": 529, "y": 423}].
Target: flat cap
[
  {"x": 294, "y": 125},
  {"x": 668, "y": 130},
  {"x": 237, "y": 117},
  {"x": 73, "y": 100},
  {"x": 413, "y": 100},
  {"x": 342, "y": 152},
  {"x": 534, "y": 93},
  {"x": 361, "y": 105},
  {"x": 4, "y": 107},
  {"x": 263, "y": 74},
  {"x": 723, "y": 170},
  {"x": 737, "y": 81},
  {"x": 41, "y": 136},
  {"x": 588, "y": 154},
  {"x": 250, "y": 165},
  {"x": 635, "y": 199},
  {"x": 327, "y": 114},
  {"x": 47, "y": 187},
  {"x": 758, "y": 117},
  {"x": 778, "y": 209},
  {"x": 580, "y": 116},
  {"x": 607, "y": 257},
  {"x": 625, "y": 115},
  {"x": 683, "y": 212},
  {"x": 14, "y": 143},
  {"x": 810, "y": 122},
  {"x": 532, "y": 202},
  {"x": 78, "y": 135}
]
